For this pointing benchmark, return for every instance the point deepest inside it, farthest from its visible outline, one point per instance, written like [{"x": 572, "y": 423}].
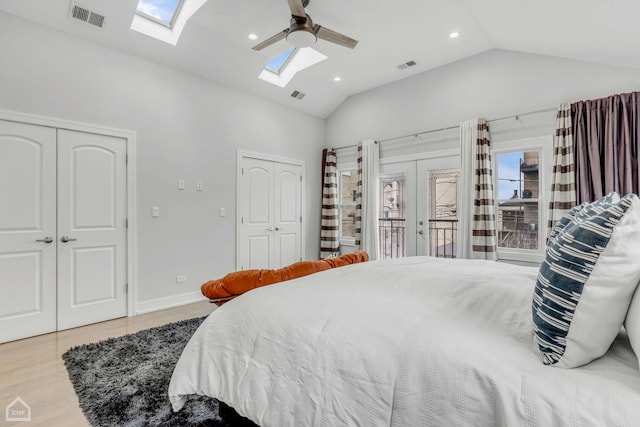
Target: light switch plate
[
  {"x": 181, "y": 184},
  {"x": 222, "y": 212},
  {"x": 199, "y": 185},
  {"x": 155, "y": 212}
]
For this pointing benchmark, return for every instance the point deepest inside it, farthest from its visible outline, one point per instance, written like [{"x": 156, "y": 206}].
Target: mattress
[{"x": 415, "y": 341}]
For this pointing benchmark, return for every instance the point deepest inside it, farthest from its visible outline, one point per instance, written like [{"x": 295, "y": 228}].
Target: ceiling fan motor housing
[{"x": 301, "y": 33}]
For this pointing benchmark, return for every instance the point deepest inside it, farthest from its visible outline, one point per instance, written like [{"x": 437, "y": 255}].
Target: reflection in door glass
[
  {"x": 391, "y": 222},
  {"x": 443, "y": 212}
]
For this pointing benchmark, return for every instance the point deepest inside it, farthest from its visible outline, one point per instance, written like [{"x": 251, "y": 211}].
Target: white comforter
[{"x": 407, "y": 342}]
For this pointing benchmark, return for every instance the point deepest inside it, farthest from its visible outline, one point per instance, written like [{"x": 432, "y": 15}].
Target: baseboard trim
[{"x": 169, "y": 302}]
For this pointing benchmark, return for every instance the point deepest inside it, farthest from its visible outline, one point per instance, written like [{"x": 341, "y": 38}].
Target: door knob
[
  {"x": 420, "y": 232},
  {"x": 66, "y": 239},
  {"x": 46, "y": 240}
]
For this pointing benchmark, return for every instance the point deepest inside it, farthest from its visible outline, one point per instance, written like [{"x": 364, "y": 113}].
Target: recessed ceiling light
[
  {"x": 253, "y": 37},
  {"x": 337, "y": 79},
  {"x": 454, "y": 35}
]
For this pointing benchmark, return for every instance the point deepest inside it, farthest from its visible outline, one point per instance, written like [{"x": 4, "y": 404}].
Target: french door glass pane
[
  {"x": 392, "y": 219},
  {"x": 443, "y": 212}
]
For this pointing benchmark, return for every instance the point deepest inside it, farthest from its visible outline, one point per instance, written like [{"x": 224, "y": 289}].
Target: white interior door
[
  {"x": 437, "y": 201},
  {"x": 256, "y": 227},
  {"x": 27, "y": 230},
  {"x": 287, "y": 215},
  {"x": 91, "y": 228},
  {"x": 270, "y": 214}
]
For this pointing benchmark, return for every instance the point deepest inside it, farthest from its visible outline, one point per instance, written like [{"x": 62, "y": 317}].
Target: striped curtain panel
[
  {"x": 477, "y": 227},
  {"x": 329, "y": 226},
  {"x": 367, "y": 198},
  {"x": 563, "y": 180},
  {"x": 358, "y": 212}
]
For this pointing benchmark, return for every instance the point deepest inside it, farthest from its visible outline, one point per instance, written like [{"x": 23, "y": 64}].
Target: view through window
[
  {"x": 161, "y": 11},
  {"x": 348, "y": 186},
  {"x": 392, "y": 219},
  {"x": 443, "y": 215},
  {"x": 518, "y": 199}
]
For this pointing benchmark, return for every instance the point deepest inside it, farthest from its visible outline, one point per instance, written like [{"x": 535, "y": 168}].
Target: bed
[{"x": 416, "y": 341}]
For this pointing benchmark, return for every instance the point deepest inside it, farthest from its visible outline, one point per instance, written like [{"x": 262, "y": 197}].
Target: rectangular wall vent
[
  {"x": 297, "y": 95},
  {"x": 407, "y": 65},
  {"x": 85, "y": 15}
]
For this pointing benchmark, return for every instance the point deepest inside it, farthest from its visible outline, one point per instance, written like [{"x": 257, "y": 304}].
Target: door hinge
[
  {"x": 300, "y": 219},
  {"x": 126, "y": 222},
  {"x": 126, "y": 287},
  {"x": 241, "y": 220},
  {"x": 126, "y": 158},
  {"x": 242, "y": 171},
  {"x": 300, "y": 178}
]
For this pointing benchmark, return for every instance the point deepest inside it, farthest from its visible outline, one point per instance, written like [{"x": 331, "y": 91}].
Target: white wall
[
  {"x": 186, "y": 128},
  {"x": 493, "y": 84}
]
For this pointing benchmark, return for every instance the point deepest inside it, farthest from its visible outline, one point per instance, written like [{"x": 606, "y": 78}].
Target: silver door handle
[
  {"x": 66, "y": 239},
  {"x": 273, "y": 229},
  {"x": 46, "y": 240},
  {"x": 420, "y": 232}
]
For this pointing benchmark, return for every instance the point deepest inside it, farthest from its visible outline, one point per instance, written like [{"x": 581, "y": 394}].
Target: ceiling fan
[{"x": 302, "y": 32}]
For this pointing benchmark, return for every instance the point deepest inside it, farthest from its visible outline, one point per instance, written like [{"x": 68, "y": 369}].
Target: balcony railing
[
  {"x": 443, "y": 237},
  {"x": 392, "y": 237}
]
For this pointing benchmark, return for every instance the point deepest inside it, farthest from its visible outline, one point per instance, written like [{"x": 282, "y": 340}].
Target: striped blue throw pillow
[{"x": 586, "y": 281}]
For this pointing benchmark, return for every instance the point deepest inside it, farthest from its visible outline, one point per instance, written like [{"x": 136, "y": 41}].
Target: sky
[
  {"x": 508, "y": 168},
  {"x": 159, "y": 9}
]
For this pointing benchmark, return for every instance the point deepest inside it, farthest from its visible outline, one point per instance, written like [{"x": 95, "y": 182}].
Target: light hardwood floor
[{"x": 33, "y": 370}]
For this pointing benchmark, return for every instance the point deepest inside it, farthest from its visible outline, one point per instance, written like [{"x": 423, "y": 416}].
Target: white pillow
[
  {"x": 587, "y": 280},
  {"x": 632, "y": 323}
]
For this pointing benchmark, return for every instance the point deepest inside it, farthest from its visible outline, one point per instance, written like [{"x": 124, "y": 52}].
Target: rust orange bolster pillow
[{"x": 240, "y": 282}]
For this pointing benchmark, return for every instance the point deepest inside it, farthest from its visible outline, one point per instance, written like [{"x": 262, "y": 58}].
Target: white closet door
[
  {"x": 91, "y": 228},
  {"x": 27, "y": 230},
  {"x": 270, "y": 208},
  {"x": 287, "y": 215},
  {"x": 256, "y": 208}
]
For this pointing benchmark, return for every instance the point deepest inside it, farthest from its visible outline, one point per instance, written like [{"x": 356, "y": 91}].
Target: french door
[
  {"x": 418, "y": 208},
  {"x": 62, "y": 229}
]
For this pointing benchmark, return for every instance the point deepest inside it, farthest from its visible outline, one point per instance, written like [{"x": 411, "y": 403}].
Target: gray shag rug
[{"x": 124, "y": 381}]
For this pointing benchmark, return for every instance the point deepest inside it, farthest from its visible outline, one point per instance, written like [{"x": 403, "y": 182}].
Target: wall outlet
[{"x": 181, "y": 279}]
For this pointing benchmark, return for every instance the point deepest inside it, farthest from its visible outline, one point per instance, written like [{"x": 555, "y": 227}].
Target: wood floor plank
[{"x": 33, "y": 370}]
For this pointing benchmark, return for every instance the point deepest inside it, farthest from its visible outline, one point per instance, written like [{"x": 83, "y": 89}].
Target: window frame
[{"x": 543, "y": 144}]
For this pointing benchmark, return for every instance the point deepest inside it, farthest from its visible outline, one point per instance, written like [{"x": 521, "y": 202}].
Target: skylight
[
  {"x": 277, "y": 64},
  {"x": 164, "y": 19},
  {"x": 281, "y": 69},
  {"x": 162, "y": 11}
]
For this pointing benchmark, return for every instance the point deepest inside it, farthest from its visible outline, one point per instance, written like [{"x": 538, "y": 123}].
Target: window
[
  {"x": 392, "y": 218},
  {"x": 282, "y": 68},
  {"x": 443, "y": 215},
  {"x": 277, "y": 64},
  {"x": 347, "y": 189},
  {"x": 164, "y": 20},
  {"x": 161, "y": 11},
  {"x": 520, "y": 174}
]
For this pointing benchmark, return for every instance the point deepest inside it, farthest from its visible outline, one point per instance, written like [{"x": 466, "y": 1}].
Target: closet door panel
[{"x": 27, "y": 230}]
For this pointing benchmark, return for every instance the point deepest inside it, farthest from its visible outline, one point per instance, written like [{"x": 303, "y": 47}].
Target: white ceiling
[{"x": 215, "y": 44}]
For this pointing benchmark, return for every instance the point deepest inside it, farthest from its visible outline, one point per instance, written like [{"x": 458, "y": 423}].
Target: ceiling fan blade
[
  {"x": 297, "y": 9},
  {"x": 334, "y": 37},
  {"x": 271, "y": 40}
]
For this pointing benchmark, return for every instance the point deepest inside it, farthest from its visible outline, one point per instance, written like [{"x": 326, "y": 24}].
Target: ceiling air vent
[
  {"x": 85, "y": 15},
  {"x": 297, "y": 95},
  {"x": 407, "y": 65}
]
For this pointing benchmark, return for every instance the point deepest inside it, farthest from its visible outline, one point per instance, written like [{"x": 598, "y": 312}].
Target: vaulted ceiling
[{"x": 215, "y": 43}]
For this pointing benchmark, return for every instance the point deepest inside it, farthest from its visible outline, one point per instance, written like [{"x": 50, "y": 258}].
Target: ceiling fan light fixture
[{"x": 302, "y": 38}]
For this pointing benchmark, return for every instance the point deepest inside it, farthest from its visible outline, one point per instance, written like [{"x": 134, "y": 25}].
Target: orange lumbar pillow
[{"x": 239, "y": 282}]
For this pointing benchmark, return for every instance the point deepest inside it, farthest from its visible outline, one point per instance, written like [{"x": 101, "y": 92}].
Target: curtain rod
[{"x": 416, "y": 134}]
